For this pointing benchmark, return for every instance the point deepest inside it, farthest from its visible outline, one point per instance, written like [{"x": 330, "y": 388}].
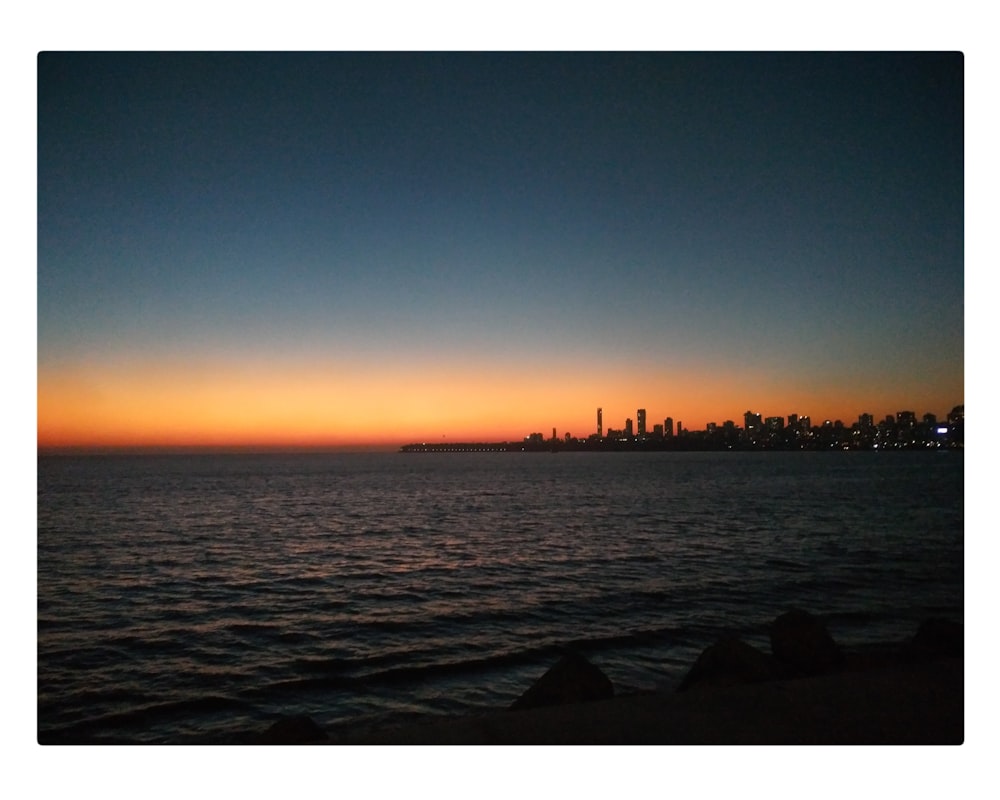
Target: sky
[{"x": 340, "y": 249}]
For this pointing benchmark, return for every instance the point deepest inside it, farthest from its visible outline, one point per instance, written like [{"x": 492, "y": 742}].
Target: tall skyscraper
[
  {"x": 600, "y": 423},
  {"x": 668, "y": 426},
  {"x": 641, "y": 420}
]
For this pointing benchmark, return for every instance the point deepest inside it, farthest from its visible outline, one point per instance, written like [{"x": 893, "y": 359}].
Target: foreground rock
[
  {"x": 729, "y": 662},
  {"x": 801, "y": 646},
  {"x": 293, "y": 730},
  {"x": 936, "y": 638},
  {"x": 801, "y": 642},
  {"x": 572, "y": 680}
]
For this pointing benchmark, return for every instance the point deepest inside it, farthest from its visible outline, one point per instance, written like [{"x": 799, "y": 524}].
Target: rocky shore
[{"x": 806, "y": 690}]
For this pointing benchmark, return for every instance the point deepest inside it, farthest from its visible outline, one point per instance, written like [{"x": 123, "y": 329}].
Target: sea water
[{"x": 189, "y": 598}]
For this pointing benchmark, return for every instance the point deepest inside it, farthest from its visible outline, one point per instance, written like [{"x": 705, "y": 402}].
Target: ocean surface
[{"x": 196, "y": 598}]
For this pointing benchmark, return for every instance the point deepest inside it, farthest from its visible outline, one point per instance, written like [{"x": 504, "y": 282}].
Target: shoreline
[
  {"x": 916, "y": 703},
  {"x": 808, "y": 690}
]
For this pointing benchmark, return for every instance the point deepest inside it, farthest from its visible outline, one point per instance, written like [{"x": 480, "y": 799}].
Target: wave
[
  {"x": 121, "y": 727},
  {"x": 345, "y": 673}
]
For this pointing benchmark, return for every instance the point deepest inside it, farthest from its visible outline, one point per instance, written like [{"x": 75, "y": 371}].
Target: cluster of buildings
[
  {"x": 904, "y": 431},
  {"x": 794, "y": 432}
]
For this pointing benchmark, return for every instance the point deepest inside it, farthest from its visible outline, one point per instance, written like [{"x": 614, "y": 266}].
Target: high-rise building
[
  {"x": 628, "y": 427},
  {"x": 600, "y": 423},
  {"x": 668, "y": 426},
  {"x": 641, "y": 419},
  {"x": 956, "y": 421}
]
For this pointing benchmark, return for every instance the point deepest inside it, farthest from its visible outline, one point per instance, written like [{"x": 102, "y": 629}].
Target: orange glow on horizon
[{"x": 260, "y": 405}]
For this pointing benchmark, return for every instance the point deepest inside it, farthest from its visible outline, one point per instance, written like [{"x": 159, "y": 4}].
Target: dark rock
[
  {"x": 573, "y": 679},
  {"x": 936, "y": 638},
  {"x": 729, "y": 662},
  {"x": 293, "y": 730},
  {"x": 800, "y": 641}
]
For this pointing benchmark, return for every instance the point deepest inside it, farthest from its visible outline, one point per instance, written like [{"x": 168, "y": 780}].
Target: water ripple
[{"x": 188, "y": 594}]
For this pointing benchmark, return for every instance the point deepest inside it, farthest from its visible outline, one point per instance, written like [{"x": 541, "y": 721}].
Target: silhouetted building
[
  {"x": 753, "y": 427},
  {"x": 906, "y": 418},
  {"x": 628, "y": 428},
  {"x": 956, "y": 425},
  {"x": 668, "y": 426},
  {"x": 600, "y": 422},
  {"x": 906, "y": 421}
]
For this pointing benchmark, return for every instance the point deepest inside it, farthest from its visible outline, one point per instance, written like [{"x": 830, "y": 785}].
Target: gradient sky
[{"x": 344, "y": 249}]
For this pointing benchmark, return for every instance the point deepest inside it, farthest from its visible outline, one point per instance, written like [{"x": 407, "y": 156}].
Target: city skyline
[
  {"x": 639, "y": 428},
  {"x": 350, "y": 249}
]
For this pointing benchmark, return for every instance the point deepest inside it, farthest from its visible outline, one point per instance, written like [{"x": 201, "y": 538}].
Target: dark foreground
[
  {"x": 919, "y": 703},
  {"x": 807, "y": 690}
]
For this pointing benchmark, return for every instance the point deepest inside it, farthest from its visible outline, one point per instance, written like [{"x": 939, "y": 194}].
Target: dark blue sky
[{"x": 774, "y": 228}]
